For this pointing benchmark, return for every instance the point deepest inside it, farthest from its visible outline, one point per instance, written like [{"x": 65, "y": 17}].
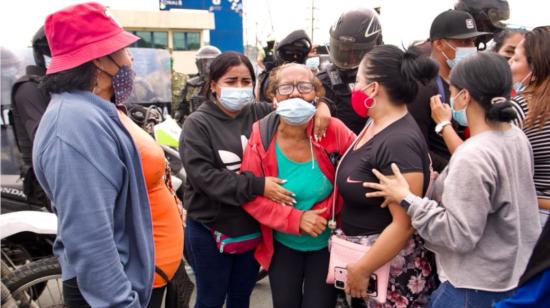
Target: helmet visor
[{"x": 348, "y": 55}]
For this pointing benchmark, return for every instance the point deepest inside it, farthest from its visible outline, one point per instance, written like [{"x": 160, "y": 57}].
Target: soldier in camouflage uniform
[
  {"x": 178, "y": 84},
  {"x": 194, "y": 92}
]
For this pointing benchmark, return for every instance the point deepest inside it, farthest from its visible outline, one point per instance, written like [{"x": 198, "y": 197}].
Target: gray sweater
[{"x": 483, "y": 220}]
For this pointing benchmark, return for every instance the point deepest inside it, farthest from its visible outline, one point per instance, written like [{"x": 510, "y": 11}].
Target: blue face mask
[
  {"x": 458, "y": 115},
  {"x": 295, "y": 111},
  {"x": 519, "y": 86},
  {"x": 460, "y": 54},
  {"x": 235, "y": 99},
  {"x": 313, "y": 62}
]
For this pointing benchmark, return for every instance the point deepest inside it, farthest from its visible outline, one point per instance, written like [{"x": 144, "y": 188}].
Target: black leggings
[
  {"x": 73, "y": 297},
  {"x": 298, "y": 279}
]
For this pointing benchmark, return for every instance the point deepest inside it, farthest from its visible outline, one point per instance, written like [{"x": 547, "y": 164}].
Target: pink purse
[{"x": 344, "y": 252}]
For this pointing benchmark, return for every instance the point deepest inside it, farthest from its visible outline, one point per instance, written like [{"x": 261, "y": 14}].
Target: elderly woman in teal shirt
[{"x": 295, "y": 238}]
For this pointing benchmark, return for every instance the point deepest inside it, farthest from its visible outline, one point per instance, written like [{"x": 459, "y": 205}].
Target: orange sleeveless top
[{"x": 167, "y": 224}]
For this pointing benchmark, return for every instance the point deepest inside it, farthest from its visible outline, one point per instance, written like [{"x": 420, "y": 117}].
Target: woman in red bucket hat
[{"x": 117, "y": 217}]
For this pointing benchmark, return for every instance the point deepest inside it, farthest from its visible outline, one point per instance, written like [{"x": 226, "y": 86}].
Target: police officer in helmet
[
  {"x": 194, "y": 93},
  {"x": 29, "y": 103},
  {"x": 294, "y": 48},
  {"x": 488, "y": 15},
  {"x": 355, "y": 33}
]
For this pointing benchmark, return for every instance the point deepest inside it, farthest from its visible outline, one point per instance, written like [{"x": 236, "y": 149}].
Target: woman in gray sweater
[{"x": 481, "y": 219}]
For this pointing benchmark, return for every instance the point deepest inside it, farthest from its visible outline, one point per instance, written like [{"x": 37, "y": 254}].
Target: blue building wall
[{"x": 228, "y": 32}]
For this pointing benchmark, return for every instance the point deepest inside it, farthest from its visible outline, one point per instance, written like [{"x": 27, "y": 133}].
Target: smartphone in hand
[
  {"x": 372, "y": 289},
  {"x": 341, "y": 277}
]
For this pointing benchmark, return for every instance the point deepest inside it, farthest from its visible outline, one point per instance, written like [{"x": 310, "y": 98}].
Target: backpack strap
[
  {"x": 162, "y": 274},
  {"x": 268, "y": 126}
]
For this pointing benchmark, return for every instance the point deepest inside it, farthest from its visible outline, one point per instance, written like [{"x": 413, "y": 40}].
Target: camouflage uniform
[
  {"x": 191, "y": 97},
  {"x": 179, "y": 81}
]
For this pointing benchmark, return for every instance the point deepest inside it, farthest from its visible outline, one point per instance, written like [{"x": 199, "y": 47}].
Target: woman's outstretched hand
[{"x": 394, "y": 188}]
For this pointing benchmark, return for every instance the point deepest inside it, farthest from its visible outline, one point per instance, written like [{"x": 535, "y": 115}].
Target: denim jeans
[
  {"x": 220, "y": 277},
  {"x": 447, "y": 296}
]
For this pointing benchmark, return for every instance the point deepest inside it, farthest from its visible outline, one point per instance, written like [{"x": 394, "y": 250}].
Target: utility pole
[{"x": 312, "y": 19}]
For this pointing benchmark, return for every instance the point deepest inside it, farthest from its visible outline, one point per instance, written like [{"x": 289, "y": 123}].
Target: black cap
[{"x": 454, "y": 24}]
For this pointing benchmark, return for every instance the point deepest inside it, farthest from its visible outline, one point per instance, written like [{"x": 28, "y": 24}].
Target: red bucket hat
[{"x": 81, "y": 33}]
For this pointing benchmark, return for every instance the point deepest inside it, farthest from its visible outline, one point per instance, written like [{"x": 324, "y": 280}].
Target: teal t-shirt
[{"x": 310, "y": 185}]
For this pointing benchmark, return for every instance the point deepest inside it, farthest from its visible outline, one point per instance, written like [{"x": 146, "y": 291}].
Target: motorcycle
[
  {"x": 29, "y": 281},
  {"x": 22, "y": 239}
]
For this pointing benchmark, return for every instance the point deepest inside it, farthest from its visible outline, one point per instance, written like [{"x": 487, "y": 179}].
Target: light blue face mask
[
  {"x": 519, "y": 86},
  {"x": 295, "y": 111},
  {"x": 458, "y": 115},
  {"x": 460, "y": 54},
  {"x": 235, "y": 99},
  {"x": 313, "y": 62}
]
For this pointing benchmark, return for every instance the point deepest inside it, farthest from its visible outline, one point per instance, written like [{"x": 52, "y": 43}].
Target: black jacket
[
  {"x": 421, "y": 111},
  {"x": 211, "y": 147},
  {"x": 29, "y": 103}
]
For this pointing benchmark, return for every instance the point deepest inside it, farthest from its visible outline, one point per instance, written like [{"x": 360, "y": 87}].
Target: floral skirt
[{"x": 413, "y": 276}]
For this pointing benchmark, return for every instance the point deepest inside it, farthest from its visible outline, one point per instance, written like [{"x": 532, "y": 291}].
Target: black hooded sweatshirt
[{"x": 211, "y": 147}]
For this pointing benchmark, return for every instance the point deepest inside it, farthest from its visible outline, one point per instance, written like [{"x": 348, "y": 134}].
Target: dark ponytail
[
  {"x": 488, "y": 79},
  {"x": 501, "y": 110},
  {"x": 418, "y": 68},
  {"x": 399, "y": 71}
]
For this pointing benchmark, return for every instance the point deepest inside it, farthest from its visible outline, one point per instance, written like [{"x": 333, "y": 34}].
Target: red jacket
[{"x": 260, "y": 158}]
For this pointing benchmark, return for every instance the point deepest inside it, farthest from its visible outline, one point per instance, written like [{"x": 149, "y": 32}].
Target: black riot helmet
[
  {"x": 40, "y": 48},
  {"x": 355, "y": 33},
  {"x": 294, "y": 48},
  {"x": 488, "y": 14},
  {"x": 204, "y": 57}
]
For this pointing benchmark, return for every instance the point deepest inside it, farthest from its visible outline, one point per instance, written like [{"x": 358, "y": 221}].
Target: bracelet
[
  {"x": 407, "y": 201},
  {"x": 439, "y": 127}
]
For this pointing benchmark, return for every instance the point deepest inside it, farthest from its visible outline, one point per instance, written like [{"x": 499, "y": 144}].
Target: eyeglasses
[{"x": 303, "y": 87}]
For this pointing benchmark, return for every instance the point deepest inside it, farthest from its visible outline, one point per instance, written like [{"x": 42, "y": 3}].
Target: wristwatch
[
  {"x": 439, "y": 127},
  {"x": 407, "y": 201}
]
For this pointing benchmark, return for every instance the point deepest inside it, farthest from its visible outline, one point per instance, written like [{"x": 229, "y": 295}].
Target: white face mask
[
  {"x": 313, "y": 62},
  {"x": 235, "y": 99},
  {"x": 47, "y": 61},
  {"x": 295, "y": 111},
  {"x": 460, "y": 54}
]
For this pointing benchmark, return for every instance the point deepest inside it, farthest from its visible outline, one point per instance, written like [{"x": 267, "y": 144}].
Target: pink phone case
[{"x": 340, "y": 277}]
